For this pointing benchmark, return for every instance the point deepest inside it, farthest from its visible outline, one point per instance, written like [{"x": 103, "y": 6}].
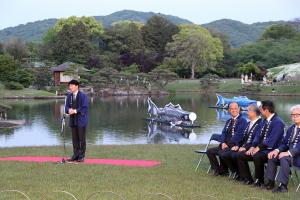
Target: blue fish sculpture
[{"x": 243, "y": 101}]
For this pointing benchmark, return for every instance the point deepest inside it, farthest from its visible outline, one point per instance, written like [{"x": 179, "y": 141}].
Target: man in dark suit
[
  {"x": 285, "y": 155},
  {"x": 253, "y": 127},
  {"x": 77, "y": 107},
  {"x": 232, "y": 135},
  {"x": 268, "y": 139}
]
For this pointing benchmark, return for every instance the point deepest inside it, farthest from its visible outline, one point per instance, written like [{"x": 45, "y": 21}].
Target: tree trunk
[{"x": 193, "y": 71}]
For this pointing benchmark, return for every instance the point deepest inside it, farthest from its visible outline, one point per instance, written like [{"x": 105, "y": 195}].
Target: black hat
[{"x": 73, "y": 82}]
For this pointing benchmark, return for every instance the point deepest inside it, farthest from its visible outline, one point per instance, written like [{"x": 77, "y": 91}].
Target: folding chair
[{"x": 214, "y": 137}]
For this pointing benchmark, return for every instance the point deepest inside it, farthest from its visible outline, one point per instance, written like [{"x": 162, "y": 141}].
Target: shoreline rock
[
  {"x": 11, "y": 123},
  {"x": 118, "y": 92},
  {"x": 34, "y": 97}
]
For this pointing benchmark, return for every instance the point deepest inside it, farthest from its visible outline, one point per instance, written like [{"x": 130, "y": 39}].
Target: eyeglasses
[{"x": 295, "y": 115}]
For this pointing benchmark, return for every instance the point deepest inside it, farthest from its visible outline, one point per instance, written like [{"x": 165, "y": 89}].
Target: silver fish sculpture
[{"x": 170, "y": 113}]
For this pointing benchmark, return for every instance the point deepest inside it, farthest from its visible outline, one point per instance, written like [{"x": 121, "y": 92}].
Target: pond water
[{"x": 120, "y": 120}]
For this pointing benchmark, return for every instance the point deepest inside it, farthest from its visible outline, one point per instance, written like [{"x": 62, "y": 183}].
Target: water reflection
[
  {"x": 161, "y": 133},
  {"x": 223, "y": 114},
  {"x": 119, "y": 120}
]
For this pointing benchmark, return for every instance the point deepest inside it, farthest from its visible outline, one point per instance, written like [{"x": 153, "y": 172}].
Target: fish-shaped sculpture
[
  {"x": 243, "y": 101},
  {"x": 170, "y": 113}
]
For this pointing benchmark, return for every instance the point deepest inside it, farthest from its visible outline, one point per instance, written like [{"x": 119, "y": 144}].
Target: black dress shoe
[
  {"x": 248, "y": 182},
  {"x": 238, "y": 178},
  {"x": 269, "y": 186},
  {"x": 282, "y": 188},
  {"x": 216, "y": 173},
  {"x": 224, "y": 173},
  {"x": 71, "y": 160},
  {"x": 80, "y": 160},
  {"x": 257, "y": 184}
]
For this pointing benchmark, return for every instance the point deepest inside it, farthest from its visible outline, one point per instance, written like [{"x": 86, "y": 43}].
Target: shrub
[{"x": 14, "y": 86}]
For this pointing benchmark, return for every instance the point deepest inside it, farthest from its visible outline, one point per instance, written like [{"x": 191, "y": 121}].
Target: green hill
[
  {"x": 240, "y": 33},
  {"x": 34, "y": 31},
  {"x": 136, "y": 16}
]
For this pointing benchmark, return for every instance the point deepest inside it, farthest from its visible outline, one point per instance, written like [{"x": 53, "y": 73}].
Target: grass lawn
[
  {"x": 235, "y": 86},
  {"x": 281, "y": 89},
  {"x": 25, "y": 92},
  {"x": 175, "y": 177},
  {"x": 184, "y": 85},
  {"x": 229, "y": 85}
]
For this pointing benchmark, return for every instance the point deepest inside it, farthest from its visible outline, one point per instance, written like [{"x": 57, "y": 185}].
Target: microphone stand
[{"x": 63, "y": 132}]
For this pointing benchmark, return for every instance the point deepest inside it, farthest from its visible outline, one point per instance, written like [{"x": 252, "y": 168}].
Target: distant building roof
[
  {"x": 63, "y": 67},
  {"x": 38, "y": 64}
]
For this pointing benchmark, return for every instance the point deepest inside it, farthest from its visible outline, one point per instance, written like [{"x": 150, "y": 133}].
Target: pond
[{"x": 120, "y": 120}]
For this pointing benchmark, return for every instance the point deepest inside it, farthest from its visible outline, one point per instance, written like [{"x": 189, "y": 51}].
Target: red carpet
[{"x": 134, "y": 163}]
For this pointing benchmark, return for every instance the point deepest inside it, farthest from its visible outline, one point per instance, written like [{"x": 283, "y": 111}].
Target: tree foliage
[
  {"x": 161, "y": 77},
  {"x": 249, "y": 68},
  {"x": 11, "y": 71},
  {"x": 16, "y": 48},
  {"x": 105, "y": 76},
  {"x": 279, "y": 31},
  {"x": 126, "y": 40},
  {"x": 13, "y": 86},
  {"x": 157, "y": 32},
  {"x": 94, "y": 28},
  {"x": 72, "y": 44},
  {"x": 195, "y": 48},
  {"x": 72, "y": 39},
  {"x": 43, "y": 77},
  {"x": 1, "y": 48},
  {"x": 8, "y": 66},
  {"x": 22, "y": 76},
  {"x": 269, "y": 53}
]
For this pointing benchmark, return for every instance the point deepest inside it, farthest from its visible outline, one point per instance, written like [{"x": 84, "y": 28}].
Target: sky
[{"x": 15, "y": 12}]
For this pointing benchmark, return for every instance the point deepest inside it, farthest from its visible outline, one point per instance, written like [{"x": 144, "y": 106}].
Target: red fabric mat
[{"x": 96, "y": 161}]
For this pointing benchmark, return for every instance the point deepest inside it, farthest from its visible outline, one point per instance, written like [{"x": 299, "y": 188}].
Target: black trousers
[
  {"x": 243, "y": 166},
  {"x": 230, "y": 159},
  {"x": 219, "y": 167},
  {"x": 79, "y": 143},
  {"x": 259, "y": 159}
]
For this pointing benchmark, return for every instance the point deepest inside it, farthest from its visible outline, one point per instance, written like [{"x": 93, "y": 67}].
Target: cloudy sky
[{"x": 15, "y": 12}]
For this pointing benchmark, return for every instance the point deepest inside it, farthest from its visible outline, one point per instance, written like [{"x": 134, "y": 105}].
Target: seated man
[
  {"x": 268, "y": 139},
  {"x": 253, "y": 127},
  {"x": 285, "y": 154},
  {"x": 232, "y": 135}
]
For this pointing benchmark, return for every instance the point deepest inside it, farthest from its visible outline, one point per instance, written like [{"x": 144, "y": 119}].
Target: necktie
[
  {"x": 295, "y": 135},
  {"x": 247, "y": 133},
  {"x": 74, "y": 101},
  {"x": 250, "y": 126},
  {"x": 232, "y": 124},
  {"x": 264, "y": 131}
]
